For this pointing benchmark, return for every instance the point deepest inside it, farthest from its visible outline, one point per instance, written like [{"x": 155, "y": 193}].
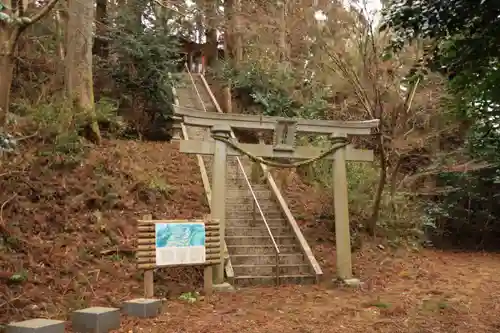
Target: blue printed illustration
[{"x": 179, "y": 234}]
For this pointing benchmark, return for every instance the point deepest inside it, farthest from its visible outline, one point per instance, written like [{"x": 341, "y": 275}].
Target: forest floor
[
  {"x": 67, "y": 228},
  {"x": 404, "y": 292}
]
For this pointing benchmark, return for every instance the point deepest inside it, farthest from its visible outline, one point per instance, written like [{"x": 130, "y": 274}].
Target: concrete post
[
  {"x": 96, "y": 320},
  {"x": 142, "y": 307},
  {"x": 219, "y": 193},
  {"x": 37, "y": 325},
  {"x": 341, "y": 202}
]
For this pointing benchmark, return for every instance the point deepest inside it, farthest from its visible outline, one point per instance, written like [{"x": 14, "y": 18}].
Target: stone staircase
[{"x": 250, "y": 247}]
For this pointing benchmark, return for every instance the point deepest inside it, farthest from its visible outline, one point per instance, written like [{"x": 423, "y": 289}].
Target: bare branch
[
  {"x": 349, "y": 74},
  {"x": 42, "y": 12},
  {"x": 26, "y": 22}
]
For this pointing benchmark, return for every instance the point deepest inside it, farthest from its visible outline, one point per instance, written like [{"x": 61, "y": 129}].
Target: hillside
[{"x": 67, "y": 223}]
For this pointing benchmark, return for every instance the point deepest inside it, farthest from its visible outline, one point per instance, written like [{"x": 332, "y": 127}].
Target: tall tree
[
  {"x": 282, "y": 6},
  {"x": 463, "y": 42},
  {"x": 212, "y": 19},
  {"x": 235, "y": 23},
  {"x": 13, "y": 22},
  {"x": 100, "y": 42},
  {"x": 78, "y": 62},
  {"x": 466, "y": 30}
]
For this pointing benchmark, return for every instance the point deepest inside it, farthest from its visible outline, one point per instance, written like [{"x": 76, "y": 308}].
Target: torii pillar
[{"x": 218, "y": 203}]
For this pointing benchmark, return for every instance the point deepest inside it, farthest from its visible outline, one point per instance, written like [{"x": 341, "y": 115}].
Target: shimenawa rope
[{"x": 337, "y": 143}]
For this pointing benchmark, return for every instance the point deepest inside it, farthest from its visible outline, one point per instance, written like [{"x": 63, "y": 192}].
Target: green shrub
[
  {"x": 143, "y": 58},
  {"x": 269, "y": 90}
]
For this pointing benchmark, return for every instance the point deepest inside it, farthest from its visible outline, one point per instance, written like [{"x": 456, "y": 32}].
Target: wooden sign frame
[{"x": 146, "y": 249}]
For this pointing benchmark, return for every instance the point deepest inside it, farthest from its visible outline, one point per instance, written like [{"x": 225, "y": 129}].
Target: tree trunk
[
  {"x": 211, "y": 45},
  {"x": 371, "y": 226},
  {"x": 228, "y": 29},
  {"x": 60, "y": 24},
  {"x": 78, "y": 62},
  {"x": 7, "y": 69},
  {"x": 282, "y": 38},
  {"x": 137, "y": 8},
  {"x": 228, "y": 52},
  {"x": 236, "y": 27},
  {"x": 100, "y": 42},
  {"x": 9, "y": 35}
]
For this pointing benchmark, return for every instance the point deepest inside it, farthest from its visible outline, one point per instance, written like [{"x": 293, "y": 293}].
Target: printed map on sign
[{"x": 179, "y": 243}]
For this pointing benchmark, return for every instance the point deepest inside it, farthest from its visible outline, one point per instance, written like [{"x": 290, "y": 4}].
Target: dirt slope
[
  {"x": 67, "y": 223},
  {"x": 66, "y": 242}
]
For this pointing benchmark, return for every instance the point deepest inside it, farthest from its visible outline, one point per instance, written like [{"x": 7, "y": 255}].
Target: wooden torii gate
[{"x": 284, "y": 146}]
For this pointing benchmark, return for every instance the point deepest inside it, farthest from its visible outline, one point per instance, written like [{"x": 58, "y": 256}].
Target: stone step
[
  {"x": 261, "y": 188},
  {"x": 270, "y": 270},
  {"x": 268, "y": 259},
  {"x": 267, "y": 206},
  {"x": 241, "y": 221},
  {"x": 242, "y": 193},
  {"x": 231, "y": 186},
  {"x": 260, "y": 249},
  {"x": 248, "y": 198},
  {"x": 260, "y": 240},
  {"x": 237, "y": 170},
  {"x": 233, "y": 214},
  {"x": 229, "y": 177},
  {"x": 258, "y": 231},
  {"x": 235, "y": 183},
  {"x": 245, "y": 202},
  {"x": 247, "y": 281},
  {"x": 239, "y": 179},
  {"x": 229, "y": 174}
]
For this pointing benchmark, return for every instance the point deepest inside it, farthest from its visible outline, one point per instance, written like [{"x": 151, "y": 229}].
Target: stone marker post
[
  {"x": 142, "y": 307},
  {"x": 37, "y": 325},
  {"x": 95, "y": 320}
]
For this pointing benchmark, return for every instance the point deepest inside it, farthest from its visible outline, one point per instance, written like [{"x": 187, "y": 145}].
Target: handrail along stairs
[
  {"x": 242, "y": 169},
  {"x": 306, "y": 250}
]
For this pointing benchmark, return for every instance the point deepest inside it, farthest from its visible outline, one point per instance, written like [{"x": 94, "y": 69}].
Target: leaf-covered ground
[
  {"x": 67, "y": 232},
  {"x": 67, "y": 223},
  {"x": 403, "y": 292}
]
